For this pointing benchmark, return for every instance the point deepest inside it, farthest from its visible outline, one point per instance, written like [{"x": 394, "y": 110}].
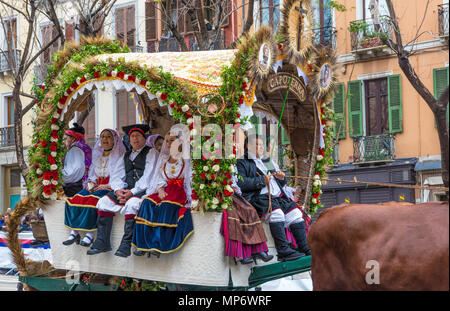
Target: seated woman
[
  {"x": 163, "y": 222},
  {"x": 81, "y": 211},
  {"x": 242, "y": 230}
]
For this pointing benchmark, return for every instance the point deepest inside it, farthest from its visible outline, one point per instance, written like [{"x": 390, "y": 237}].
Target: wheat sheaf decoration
[
  {"x": 263, "y": 56},
  {"x": 324, "y": 76},
  {"x": 296, "y": 30}
]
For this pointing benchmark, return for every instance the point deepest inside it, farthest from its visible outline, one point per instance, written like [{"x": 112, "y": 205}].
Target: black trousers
[
  {"x": 71, "y": 189},
  {"x": 261, "y": 204}
]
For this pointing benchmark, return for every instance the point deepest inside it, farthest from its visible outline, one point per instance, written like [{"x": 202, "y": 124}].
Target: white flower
[
  {"x": 205, "y": 168},
  {"x": 320, "y": 191},
  {"x": 53, "y": 196},
  {"x": 316, "y": 177},
  {"x": 231, "y": 169},
  {"x": 215, "y": 201},
  {"x": 56, "y": 115},
  {"x": 46, "y": 182},
  {"x": 190, "y": 121},
  {"x": 158, "y": 94},
  {"x": 224, "y": 206},
  {"x": 86, "y": 76},
  {"x": 214, "y": 206},
  {"x": 45, "y": 195},
  {"x": 194, "y": 203},
  {"x": 202, "y": 186},
  {"x": 66, "y": 94},
  {"x": 193, "y": 132},
  {"x": 71, "y": 89},
  {"x": 319, "y": 157},
  {"x": 315, "y": 183},
  {"x": 237, "y": 120},
  {"x": 214, "y": 185},
  {"x": 55, "y": 127},
  {"x": 78, "y": 80},
  {"x": 147, "y": 85},
  {"x": 246, "y": 80},
  {"x": 138, "y": 81},
  {"x": 39, "y": 171},
  {"x": 53, "y": 154},
  {"x": 314, "y": 200},
  {"x": 216, "y": 145},
  {"x": 53, "y": 139},
  {"x": 60, "y": 106},
  {"x": 228, "y": 187},
  {"x": 212, "y": 158},
  {"x": 114, "y": 73},
  {"x": 54, "y": 182},
  {"x": 125, "y": 77},
  {"x": 232, "y": 156},
  {"x": 53, "y": 167},
  {"x": 216, "y": 168},
  {"x": 185, "y": 108}
]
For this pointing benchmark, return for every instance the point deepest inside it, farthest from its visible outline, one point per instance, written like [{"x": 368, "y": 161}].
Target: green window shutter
[
  {"x": 354, "y": 106},
  {"x": 440, "y": 82},
  {"x": 339, "y": 112},
  {"x": 395, "y": 104},
  {"x": 284, "y": 137},
  {"x": 255, "y": 121}
]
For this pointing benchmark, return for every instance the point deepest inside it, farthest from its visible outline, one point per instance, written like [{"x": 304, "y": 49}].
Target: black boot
[
  {"x": 103, "y": 242},
  {"x": 263, "y": 256},
  {"x": 285, "y": 253},
  {"x": 124, "y": 249},
  {"x": 299, "y": 233}
]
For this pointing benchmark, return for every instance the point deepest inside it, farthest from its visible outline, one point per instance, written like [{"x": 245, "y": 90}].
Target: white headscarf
[
  {"x": 115, "y": 155},
  {"x": 183, "y": 138}
]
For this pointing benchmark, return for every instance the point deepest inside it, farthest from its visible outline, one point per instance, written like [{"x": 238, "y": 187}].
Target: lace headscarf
[
  {"x": 152, "y": 139},
  {"x": 116, "y": 154}
]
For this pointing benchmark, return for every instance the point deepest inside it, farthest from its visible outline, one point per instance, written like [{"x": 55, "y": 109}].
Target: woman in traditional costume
[
  {"x": 81, "y": 211},
  {"x": 164, "y": 220}
]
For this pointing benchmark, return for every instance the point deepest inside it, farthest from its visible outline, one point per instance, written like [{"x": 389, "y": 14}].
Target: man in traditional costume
[
  {"x": 80, "y": 210},
  {"x": 164, "y": 221},
  {"x": 128, "y": 183},
  {"x": 255, "y": 188},
  {"x": 76, "y": 161}
]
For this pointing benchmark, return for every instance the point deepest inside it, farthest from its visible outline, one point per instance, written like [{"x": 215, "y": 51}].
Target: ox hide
[{"x": 387, "y": 246}]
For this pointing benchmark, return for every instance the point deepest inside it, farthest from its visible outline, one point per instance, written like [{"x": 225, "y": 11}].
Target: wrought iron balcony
[
  {"x": 443, "y": 20},
  {"x": 325, "y": 37},
  {"x": 9, "y": 59},
  {"x": 369, "y": 33},
  {"x": 7, "y": 136},
  {"x": 374, "y": 148}
]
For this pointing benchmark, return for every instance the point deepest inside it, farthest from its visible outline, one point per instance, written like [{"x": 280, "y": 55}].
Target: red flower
[
  {"x": 43, "y": 143},
  {"x": 43, "y": 87},
  {"x": 54, "y": 120},
  {"x": 54, "y": 134},
  {"x": 188, "y": 114},
  {"x": 47, "y": 175},
  {"x": 194, "y": 196},
  {"x": 74, "y": 85},
  {"x": 83, "y": 79},
  {"x": 51, "y": 160},
  {"x": 163, "y": 96},
  {"x": 227, "y": 193},
  {"x": 202, "y": 175},
  {"x": 121, "y": 74},
  {"x": 203, "y": 158},
  {"x": 224, "y": 182},
  {"x": 48, "y": 190},
  {"x": 228, "y": 175},
  {"x": 143, "y": 82},
  {"x": 62, "y": 100},
  {"x": 244, "y": 85},
  {"x": 172, "y": 105},
  {"x": 53, "y": 147},
  {"x": 191, "y": 126},
  {"x": 55, "y": 175},
  {"x": 97, "y": 74},
  {"x": 238, "y": 115},
  {"x": 213, "y": 177},
  {"x": 220, "y": 200},
  {"x": 241, "y": 100},
  {"x": 216, "y": 161},
  {"x": 132, "y": 78}
]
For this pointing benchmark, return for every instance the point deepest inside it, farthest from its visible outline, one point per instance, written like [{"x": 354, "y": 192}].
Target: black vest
[{"x": 135, "y": 169}]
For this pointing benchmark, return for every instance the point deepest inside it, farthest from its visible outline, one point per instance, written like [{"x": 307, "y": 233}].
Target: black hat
[
  {"x": 141, "y": 128},
  {"x": 77, "y": 128}
]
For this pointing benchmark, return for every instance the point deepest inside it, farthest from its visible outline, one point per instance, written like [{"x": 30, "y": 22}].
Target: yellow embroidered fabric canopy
[{"x": 200, "y": 68}]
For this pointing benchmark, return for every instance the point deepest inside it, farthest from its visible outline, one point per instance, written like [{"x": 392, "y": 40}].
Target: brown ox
[{"x": 410, "y": 243}]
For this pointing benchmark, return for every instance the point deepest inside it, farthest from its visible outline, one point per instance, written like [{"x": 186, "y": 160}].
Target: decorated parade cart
[{"x": 286, "y": 80}]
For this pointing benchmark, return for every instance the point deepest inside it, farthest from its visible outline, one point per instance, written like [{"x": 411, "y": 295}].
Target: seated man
[
  {"x": 285, "y": 213},
  {"x": 76, "y": 161},
  {"x": 128, "y": 182}
]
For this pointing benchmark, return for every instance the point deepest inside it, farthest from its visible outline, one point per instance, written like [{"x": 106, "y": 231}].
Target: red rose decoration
[
  {"x": 43, "y": 87},
  {"x": 244, "y": 85},
  {"x": 121, "y": 74},
  {"x": 47, "y": 175},
  {"x": 172, "y": 105},
  {"x": 224, "y": 182},
  {"x": 83, "y": 79},
  {"x": 216, "y": 161},
  {"x": 53, "y": 147},
  {"x": 143, "y": 82},
  {"x": 202, "y": 175},
  {"x": 43, "y": 143},
  {"x": 188, "y": 114},
  {"x": 227, "y": 193},
  {"x": 213, "y": 177},
  {"x": 163, "y": 96},
  {"x": 238, "y": 115},
  {"x": 228, "y": 175},
  {"x": 51, "y": 160},
  {"x": 194, "y": 196},
  {"x": 132, "y": 78},
  {"x": 54, "y": 134},
  {"x": 97, "y": 74},
  {"x": 47, "y": 190},
  {"x": 54, "y": 120},
  {"x": 241, "y": 100},
  {"x": 74, "y": 85}
]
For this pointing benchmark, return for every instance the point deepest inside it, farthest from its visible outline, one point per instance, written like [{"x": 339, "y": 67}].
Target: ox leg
[
  {"x": 299, "y": 233},
  {"x": 285, "y": 253}
]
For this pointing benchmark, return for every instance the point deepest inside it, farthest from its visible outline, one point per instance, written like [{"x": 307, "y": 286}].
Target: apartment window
[
  {"x": 126, "y": 26},
  {"x": 382, "y": 103},
  {"x": 125, "y": 109},
  {"x": 9, "y": 32},
  {"x": 269, "y": 13},
  {"x": 440, "y": 83},
  {"x": 48, "y": 33},
  {"x": 10, "y": 110}
]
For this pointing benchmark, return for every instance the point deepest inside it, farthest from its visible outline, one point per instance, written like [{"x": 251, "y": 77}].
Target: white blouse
[
  {"x": 99, "y": 170},
  {"x": 172, "y": 170},
  {"x": 74, "y": 166}
]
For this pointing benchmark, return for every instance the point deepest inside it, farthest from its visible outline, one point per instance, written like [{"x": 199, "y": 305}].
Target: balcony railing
[
  {"x": 7, "y": 136},
  {"x": 368, "y": 34},
  {"x": 443, "y": 19},
  {"x": 374, "y": 148},
  {"x": 325, "y": 37},
  {"x": 9, "y": 59}
]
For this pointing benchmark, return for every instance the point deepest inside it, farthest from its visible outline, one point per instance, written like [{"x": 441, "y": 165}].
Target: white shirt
[
  {"x": 74, "y": 166},
  {"x": 275, "y": 190},
  {"x": 172, "y": 171},
  {"x": 118, "y": 175}
]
